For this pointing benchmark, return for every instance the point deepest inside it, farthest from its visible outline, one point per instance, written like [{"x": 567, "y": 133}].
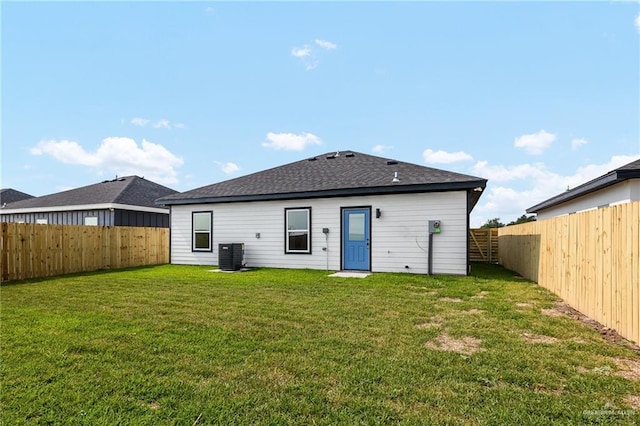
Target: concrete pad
[
  {"x": 228, "y": 272},
  {"x": 350, "y": 274}
]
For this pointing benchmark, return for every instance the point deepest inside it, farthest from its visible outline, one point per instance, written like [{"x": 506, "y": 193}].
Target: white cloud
[
  {"x": 162, "y": 124},
  {"x": 535, "y": 143},
  {"x": 291, "y": 141},
  {"x": 68, "y": 152},
  {"x": 636, "y": 22},
  {"x": 381, "y": 149},
  {"x": 326, "y": 44},
  {"x": 575, "y": 143},
  {"x": 309, "y": 56},
  {"x": 301, "y": 52},
  {"x": 119, "y": 155},
  {"x": 138, "y": 121},
  {"x": 529, "y": 184},
  {"x": 443, "y": 157},
  {"x": 229, "y": 168}
]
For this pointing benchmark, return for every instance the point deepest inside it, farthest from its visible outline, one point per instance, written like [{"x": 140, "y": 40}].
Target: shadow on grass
[
  {"x": 77, "y": 274},
  {"x": 494, "y": 272}
]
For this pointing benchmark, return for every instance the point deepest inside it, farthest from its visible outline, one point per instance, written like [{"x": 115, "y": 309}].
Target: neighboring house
[
  {"x": 124, "y": 201},
  {"x": 621, "y": 185},
  {"x": 336, "y": 211},
  {"x": 9, "y": 195}
]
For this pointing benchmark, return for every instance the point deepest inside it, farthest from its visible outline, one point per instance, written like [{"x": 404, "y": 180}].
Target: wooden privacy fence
[
  {"x": 30, "y": 250},
  {"x": 589, "y": 259},
  {"x": 483, "y": 245}
]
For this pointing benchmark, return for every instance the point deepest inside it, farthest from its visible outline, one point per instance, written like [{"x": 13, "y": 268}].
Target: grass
[{"x": 181, "y": 345}]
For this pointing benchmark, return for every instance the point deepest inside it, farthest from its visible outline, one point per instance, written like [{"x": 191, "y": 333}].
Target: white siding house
[
  {"x": 396, "y": 217},
  {"x": 619, "y": 186}
]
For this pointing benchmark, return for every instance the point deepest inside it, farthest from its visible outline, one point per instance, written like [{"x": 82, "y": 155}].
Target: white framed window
[
  {"x": 297, "y": 230},
  {"x": 41, "y": 221},
  {"x": 91, "y": 221},
  {"x": 202, "y": 225}
]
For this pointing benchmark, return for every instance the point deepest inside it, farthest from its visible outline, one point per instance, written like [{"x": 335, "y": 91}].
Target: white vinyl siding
[
  {"x": 398, "y": 238},
  {"x": 623, "y": 192}
]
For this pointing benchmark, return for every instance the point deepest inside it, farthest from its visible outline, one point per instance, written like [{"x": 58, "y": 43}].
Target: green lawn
[{"x": 182, "y": 345}]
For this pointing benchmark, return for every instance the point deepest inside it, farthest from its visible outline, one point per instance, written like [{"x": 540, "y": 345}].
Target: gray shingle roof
[
  {"x": 349, "y": 173},
  {"x": 10, "y": 195},
  {"x": 129, "y": 190},
  {"x": 628, "y": 171}
]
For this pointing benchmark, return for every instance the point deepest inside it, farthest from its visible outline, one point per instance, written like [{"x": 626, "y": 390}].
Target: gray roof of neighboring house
[
  {"x": 10, "y": 195},
  {"x": 329, "y": 175},
  {"x": 129, "y": 190},
  {"x": 626, "y": 172}
]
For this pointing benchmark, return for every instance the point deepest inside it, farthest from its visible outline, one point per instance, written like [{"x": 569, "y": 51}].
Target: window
[
  {"x": 298, "y": 230},
  {"x": 41, "y": 221},
  {"x": 202, "y": 223},
  {"x": 91, "y": 221}
]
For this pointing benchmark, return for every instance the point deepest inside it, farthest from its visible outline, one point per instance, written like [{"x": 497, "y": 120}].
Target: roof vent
[
  {"x": 350, "y": 155},
  {"x": 395, "y": 177},
  {"x": 331, "y": 157},
  {"x": 312, "y": 159},
  {"x": 391, "y": 162}
]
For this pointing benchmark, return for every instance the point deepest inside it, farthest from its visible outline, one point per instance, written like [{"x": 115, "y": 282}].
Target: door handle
[{"x": 367, "y": 243}]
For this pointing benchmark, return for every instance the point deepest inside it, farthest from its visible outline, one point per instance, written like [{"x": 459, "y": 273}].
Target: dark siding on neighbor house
[
  {"x": 105, "y": 218},
  {"x": 148, "y": 219}
]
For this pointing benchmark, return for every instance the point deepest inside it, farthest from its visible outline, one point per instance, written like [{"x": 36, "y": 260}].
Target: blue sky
[{"x": 533, "y": 96}]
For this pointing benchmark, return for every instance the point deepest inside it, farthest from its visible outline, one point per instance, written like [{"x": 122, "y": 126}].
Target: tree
[
  {"x": 522, "y": 219},
  {"x": 493, "y": 223}
]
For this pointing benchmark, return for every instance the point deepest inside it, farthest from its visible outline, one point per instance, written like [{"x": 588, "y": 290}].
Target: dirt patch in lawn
[
  {"x": 627, "y": 368},
  {"x": 450, "y": 299},
  {"x": 633, "y": 401},
  {"x": 471, "y": 312},
  {"x": 427, "y": 293},
  {"x": 480, "y": 295},
  {"x": 523, "y": 305},
  {"x": 466, "y": 345},
  {"x": 435, "y": 322},
  {"x": 609, "y": 334},
  {"x": 538, "y": 338}
]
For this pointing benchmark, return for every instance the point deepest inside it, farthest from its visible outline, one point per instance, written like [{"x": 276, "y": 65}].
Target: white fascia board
[{"x": 104, "y": 206}]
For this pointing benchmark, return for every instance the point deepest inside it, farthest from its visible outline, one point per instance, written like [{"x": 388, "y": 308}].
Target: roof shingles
[
  {"x": 347, "y": 173},
  {"x": 129, "y": 190}
]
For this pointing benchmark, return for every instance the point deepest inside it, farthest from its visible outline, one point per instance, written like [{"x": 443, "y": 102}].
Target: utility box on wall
[{"x": 434, "y": 226}]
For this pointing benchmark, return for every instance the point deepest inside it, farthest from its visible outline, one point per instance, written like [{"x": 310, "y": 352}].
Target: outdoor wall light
[
  {"x": 258, "y": 235},
  {"x": 378, "y": 213}
]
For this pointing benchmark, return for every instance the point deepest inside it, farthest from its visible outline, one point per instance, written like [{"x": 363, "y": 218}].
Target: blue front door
[{"x": 356, "y": 231}]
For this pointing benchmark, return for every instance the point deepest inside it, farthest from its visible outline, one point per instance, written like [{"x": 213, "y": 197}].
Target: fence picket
[
  {"x": 35, "y": 250},
  {"x": 590, "y": 259}
]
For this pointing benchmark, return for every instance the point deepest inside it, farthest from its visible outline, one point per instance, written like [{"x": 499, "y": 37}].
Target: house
[
  {"x": 621, "y": 185},
  {"x": 336, "y": 211},
  {"x": 9, "y": 195},
  {"x": 124, "y": 201}
]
